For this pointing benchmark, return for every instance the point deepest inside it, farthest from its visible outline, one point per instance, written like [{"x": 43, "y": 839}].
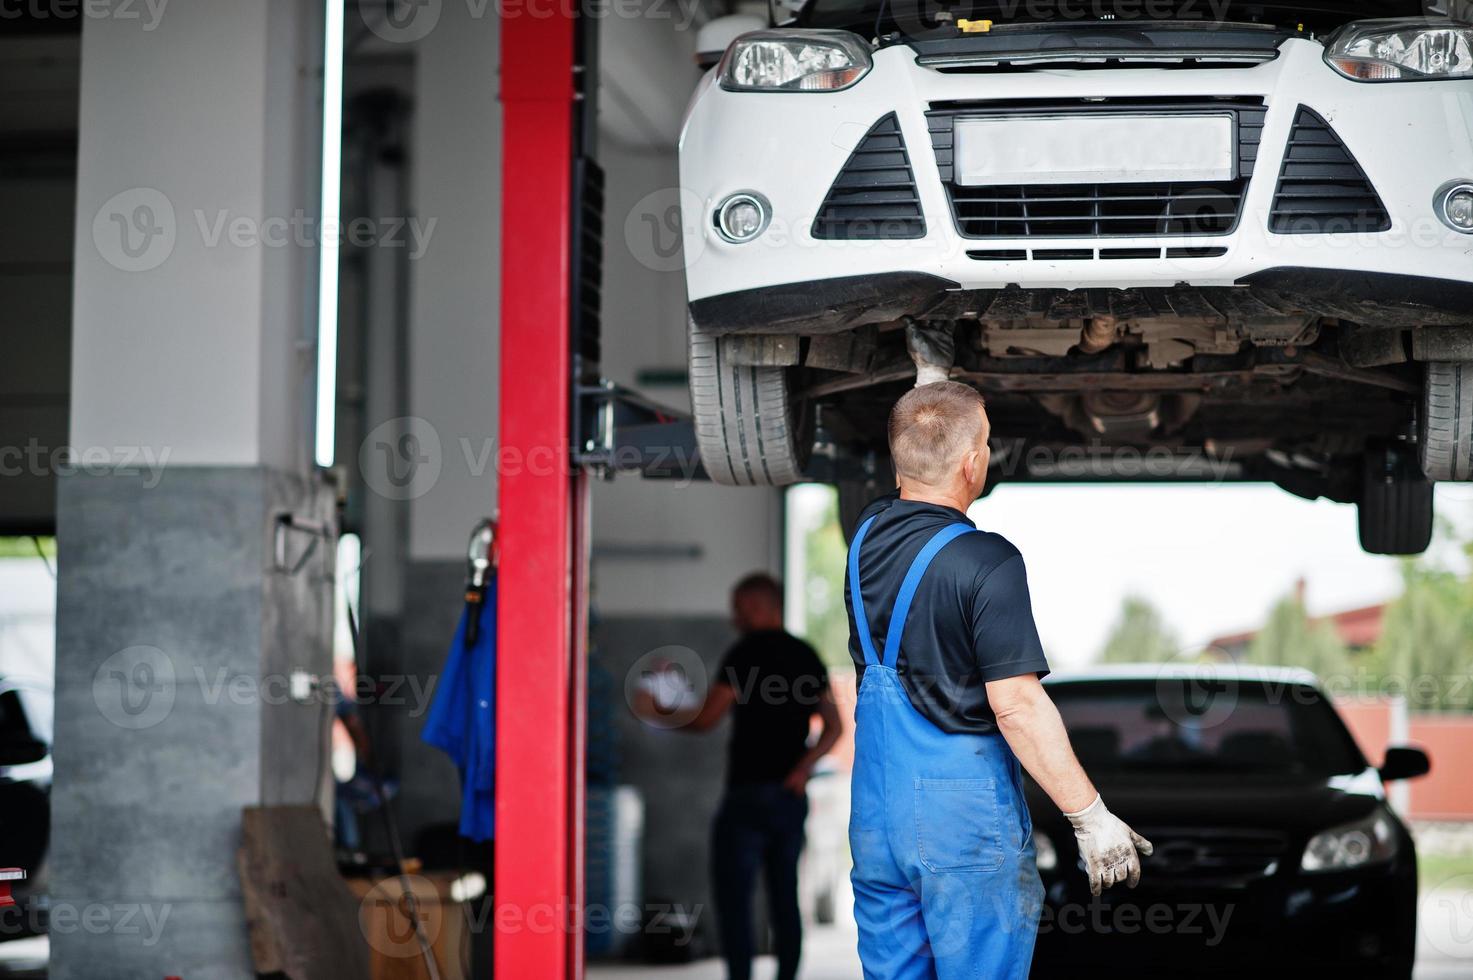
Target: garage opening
[{"x": 379, "y": 515}]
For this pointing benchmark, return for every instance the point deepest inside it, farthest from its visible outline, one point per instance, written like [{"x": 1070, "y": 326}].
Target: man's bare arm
[
  {"x": 828, "y": 737},
  {"x": 719, "y": 700},
  {"x": 1027, "y": 718}
]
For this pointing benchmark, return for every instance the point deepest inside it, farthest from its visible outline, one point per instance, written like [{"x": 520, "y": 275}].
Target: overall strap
[
  {"x": 856, "y": 599},
  {"x": 908, "y": 587}
]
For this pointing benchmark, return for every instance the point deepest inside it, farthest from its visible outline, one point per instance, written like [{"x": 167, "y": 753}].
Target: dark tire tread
[
  {"x": 1446, "y": 425},
  {"x": 744, "y": 419},
  {"x": 1395, "y": 514}
]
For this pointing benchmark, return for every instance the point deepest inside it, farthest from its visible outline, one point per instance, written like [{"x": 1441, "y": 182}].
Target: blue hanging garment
[{"x": 462, "y": 719}]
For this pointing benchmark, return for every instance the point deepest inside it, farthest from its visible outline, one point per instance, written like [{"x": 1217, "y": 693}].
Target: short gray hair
[{"x": 932, "y": 427}]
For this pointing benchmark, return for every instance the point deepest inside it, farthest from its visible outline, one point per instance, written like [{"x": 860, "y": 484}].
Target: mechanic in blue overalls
[{"x": 942, "y": 631}]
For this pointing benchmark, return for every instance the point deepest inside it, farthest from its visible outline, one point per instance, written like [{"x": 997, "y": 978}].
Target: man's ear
[{"x": 970, "y": 464}]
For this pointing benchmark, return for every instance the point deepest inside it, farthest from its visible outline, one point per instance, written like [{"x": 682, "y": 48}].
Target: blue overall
[{"x": 945, "y": 881}]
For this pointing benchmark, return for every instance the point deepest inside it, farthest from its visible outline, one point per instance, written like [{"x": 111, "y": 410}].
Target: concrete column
[{"x": 178, "y": 629}]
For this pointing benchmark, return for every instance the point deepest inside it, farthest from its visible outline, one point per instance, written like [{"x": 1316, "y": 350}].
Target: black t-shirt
[
  {"x": 971, "y": 620},
  {"x": 778, "y": 680}
]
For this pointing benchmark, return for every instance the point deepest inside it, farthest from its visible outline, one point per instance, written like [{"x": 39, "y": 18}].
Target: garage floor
[
  {"x": 828, "y": 954},
  {"x": 1445, "y": 950}
]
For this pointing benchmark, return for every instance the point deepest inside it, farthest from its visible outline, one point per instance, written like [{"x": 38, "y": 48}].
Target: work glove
[{"x": 1109, "y": 847}]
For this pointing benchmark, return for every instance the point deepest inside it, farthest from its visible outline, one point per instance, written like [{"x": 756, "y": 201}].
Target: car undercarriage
[
  {"x": 1184, "y": 247},
  {"x": 1216, "y": 384}
]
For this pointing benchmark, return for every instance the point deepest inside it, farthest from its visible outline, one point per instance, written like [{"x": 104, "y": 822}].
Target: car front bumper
[
  {"x": 1359, "y": 924},
  {"x": 1410, "y": 139}
]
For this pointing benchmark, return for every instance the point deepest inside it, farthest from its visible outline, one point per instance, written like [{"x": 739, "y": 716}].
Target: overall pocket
[{"x": 958, "y": 825}]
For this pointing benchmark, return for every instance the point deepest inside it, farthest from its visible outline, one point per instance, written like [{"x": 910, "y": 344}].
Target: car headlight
[
  {"x": 795, "y": 61},
  {"x": 1402, "y": 50},
  {"x": 1366, "y": 841}
]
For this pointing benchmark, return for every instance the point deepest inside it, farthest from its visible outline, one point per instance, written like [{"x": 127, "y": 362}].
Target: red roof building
[{"x": 1358, "y": 629}]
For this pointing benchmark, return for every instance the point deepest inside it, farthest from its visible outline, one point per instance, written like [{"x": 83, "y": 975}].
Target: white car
[{"x": 1232, "y": 242}]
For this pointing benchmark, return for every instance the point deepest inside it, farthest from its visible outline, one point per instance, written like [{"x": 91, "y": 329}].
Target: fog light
[
  {"x": 742, "y": 217},
  {"x": 1455, "y": 206}
]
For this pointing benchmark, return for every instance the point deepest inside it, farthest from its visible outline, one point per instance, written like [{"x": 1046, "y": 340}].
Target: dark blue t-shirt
[{"x": 971, "y": 621}]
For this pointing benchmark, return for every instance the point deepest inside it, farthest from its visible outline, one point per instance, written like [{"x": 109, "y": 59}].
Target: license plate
[{"x": 1104, "y": 148}]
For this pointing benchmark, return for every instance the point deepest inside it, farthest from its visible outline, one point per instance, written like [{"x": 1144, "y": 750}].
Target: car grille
[
  {"x": 874, "y": 196},
  {"x": 1322, "y": 189},
  {"x": 1090, "y": 254},
  {"x": 1098, "y": 210},
  {"x": 1219, "y": 856}
]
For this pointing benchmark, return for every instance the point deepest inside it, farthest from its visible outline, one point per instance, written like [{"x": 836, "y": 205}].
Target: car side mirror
[{"x": 1404, "y": 762}]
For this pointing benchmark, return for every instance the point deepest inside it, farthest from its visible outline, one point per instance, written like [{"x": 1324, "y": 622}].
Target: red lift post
[{"x": 543, "y": 516}]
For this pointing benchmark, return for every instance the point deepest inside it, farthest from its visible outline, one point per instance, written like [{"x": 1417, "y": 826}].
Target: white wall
[
  {"x": 455, "y": 286},
  {"x": 182, "y": 347},
  {"x": 454, "y": 305},
  {"x": 649, "y": 75}
]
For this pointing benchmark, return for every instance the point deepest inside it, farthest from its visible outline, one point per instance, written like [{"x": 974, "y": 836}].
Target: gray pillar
[{"x": 192, "y": 377}]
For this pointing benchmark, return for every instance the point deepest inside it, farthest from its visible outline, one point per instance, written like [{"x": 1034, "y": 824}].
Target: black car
[
  {"x": 25, "y": 799},
  {"x": 1275, "y": 850}
]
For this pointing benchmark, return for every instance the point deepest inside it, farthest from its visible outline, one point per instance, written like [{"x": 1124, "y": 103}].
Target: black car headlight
[
  {"x": 795, "y": 61},
  {"x": 1402, "y": 50},
  {"x": 1370, "y": 840}
]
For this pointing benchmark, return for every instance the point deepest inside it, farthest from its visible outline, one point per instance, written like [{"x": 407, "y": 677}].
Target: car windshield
[
  {"x": 862, "y": 15},
  {"x": 1221, "y": 725}
]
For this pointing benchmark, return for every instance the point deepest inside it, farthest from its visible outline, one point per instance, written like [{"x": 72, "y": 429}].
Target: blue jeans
[{"x": 759, "y": 825}]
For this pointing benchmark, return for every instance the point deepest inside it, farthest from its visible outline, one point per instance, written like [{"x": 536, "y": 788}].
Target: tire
[
  {"x": 1395, "y": 508},
  {"x": 748, "y": 429},
  {"x": 1445, "y": 429}
]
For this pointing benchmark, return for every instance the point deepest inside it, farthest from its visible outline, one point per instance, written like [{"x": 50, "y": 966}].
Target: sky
[
  {"x": 1212, "y": 559},
  {"x": 27, "y": 619}
]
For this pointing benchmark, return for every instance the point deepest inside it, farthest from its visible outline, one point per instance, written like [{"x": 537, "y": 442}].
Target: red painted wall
[
  {"x": 1447, "y": 793},
  {"x": 1444, "y": 794},
  {"x": 1369, "y": 720}
]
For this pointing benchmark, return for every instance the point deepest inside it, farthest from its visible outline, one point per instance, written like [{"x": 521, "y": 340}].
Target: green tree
[
  {"x": 825, "y": 557},
  {"x": 1291, "y": 639},
  {"x": 1426, "y": 644},
  {"x": 27, "y": 547},
  {"x": 1140, "y": 635}
]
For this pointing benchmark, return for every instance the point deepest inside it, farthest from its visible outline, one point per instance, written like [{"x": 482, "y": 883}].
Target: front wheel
[
  {"x": 749, "y": 428},
  {"x": 1445, "y": 428},
  {"x": 1395, "y": 508}
]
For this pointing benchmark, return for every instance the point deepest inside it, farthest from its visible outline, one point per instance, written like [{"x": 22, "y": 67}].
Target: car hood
[
  {"x": 1294, "y": 806},
  {"x": 1042, "y": 42},
  {"x": 912, "y": 19}
]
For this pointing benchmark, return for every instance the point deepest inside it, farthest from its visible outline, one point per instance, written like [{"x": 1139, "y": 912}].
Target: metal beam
[{"x": 543, "y": 516}]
